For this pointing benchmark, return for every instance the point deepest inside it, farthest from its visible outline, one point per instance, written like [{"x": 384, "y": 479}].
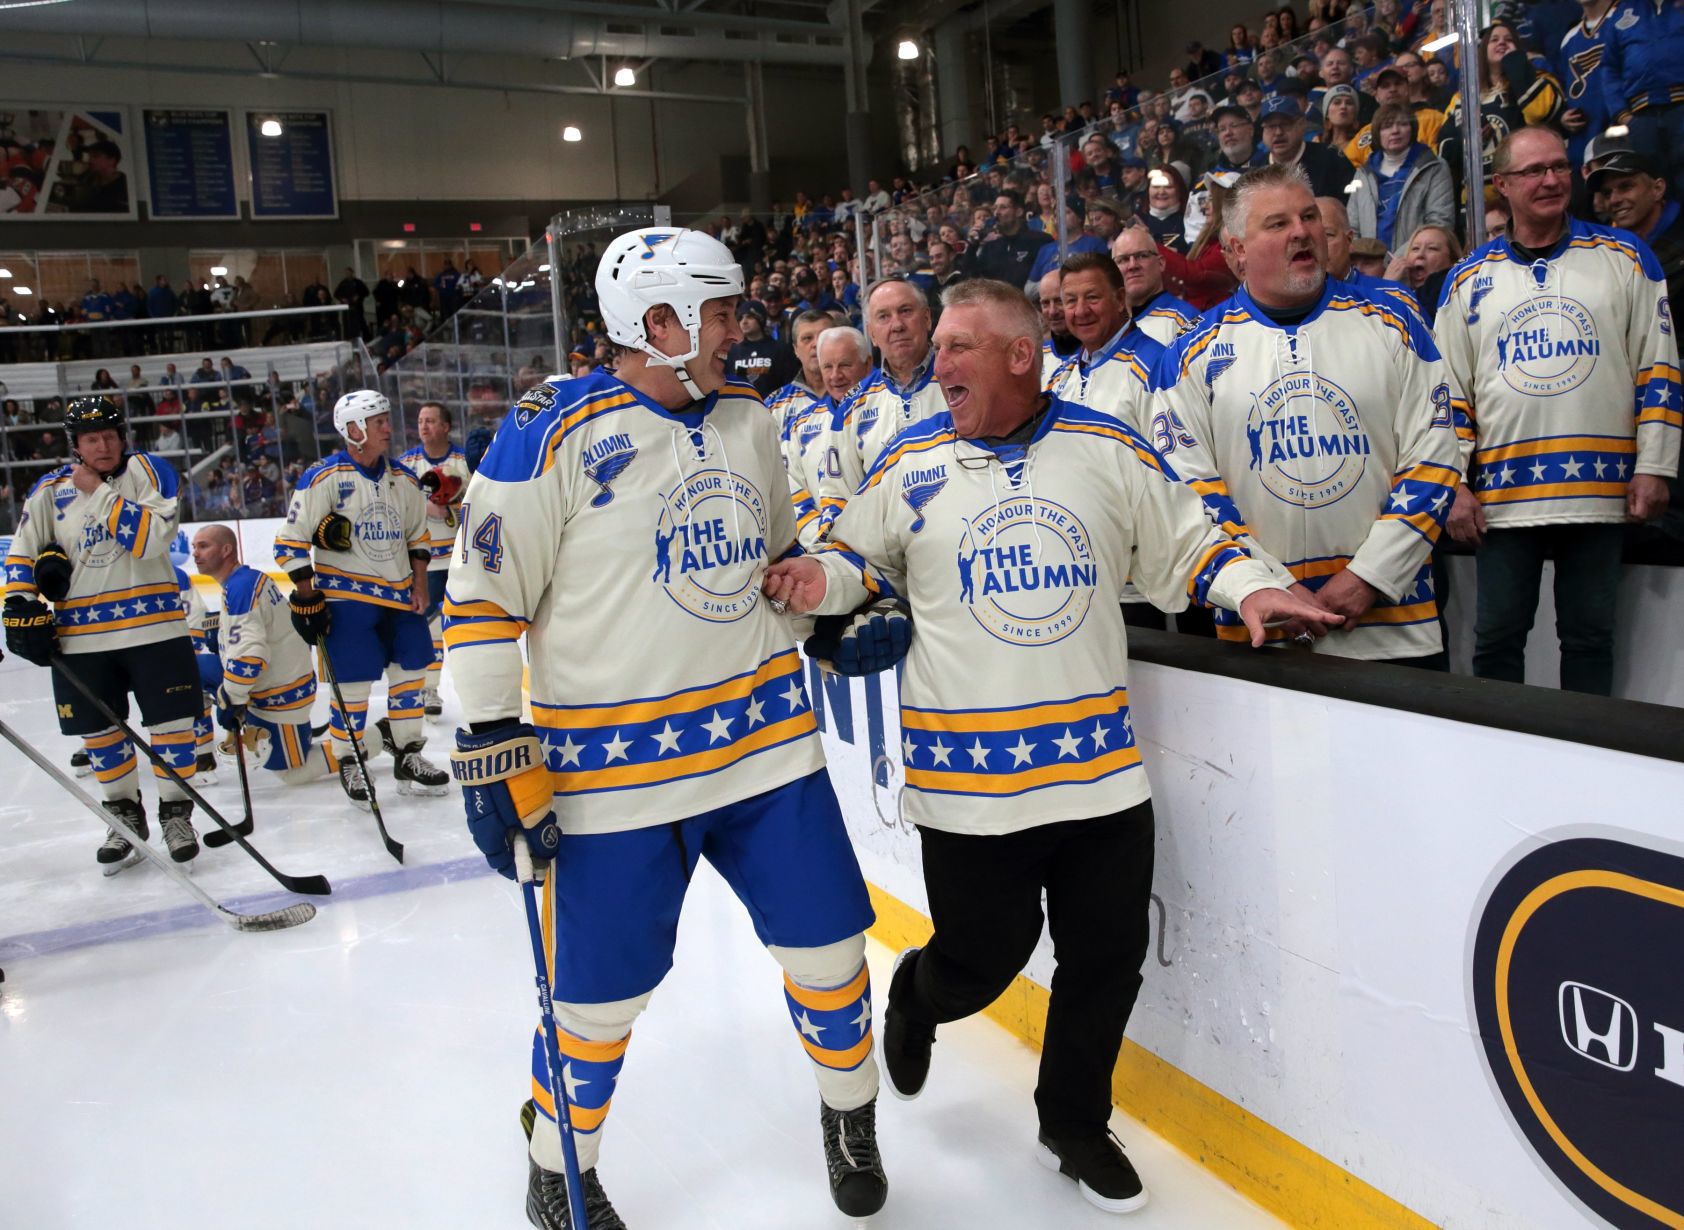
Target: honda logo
[{"x": 1599, "y": 1026}]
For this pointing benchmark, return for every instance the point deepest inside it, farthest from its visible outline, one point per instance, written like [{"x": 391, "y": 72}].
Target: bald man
[
  {"x": 268, "y": 678},
  {"x": 1060, "y": 343},
  {"x": 1336, "y": 225}
]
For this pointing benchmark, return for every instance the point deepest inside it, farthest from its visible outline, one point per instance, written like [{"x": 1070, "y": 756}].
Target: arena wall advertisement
[
  {"x": 66, "y": 163},
  {"x": 1444, "y": 958}
]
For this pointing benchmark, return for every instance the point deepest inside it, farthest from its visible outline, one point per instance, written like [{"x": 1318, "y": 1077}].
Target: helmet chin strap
[{"x": 678, "y": 370}]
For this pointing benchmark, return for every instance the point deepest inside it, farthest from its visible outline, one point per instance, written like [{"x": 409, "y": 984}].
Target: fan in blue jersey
[{"x": 621, "y": 524}]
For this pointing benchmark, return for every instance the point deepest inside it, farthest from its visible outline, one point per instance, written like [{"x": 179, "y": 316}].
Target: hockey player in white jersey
[
  {"x": 1316, "y": 420},
  {"x": 898, "y": 393},
  {"x": 1112, "y": 369},
  {"x": 267, "y": 681},
  {"x": 1009, "y": 526},
  {"x": 94, "y": 539},
  {"x": 1060, "y": 345},
  {"x": 815, "y": 465},
  {"x": 356, "y": 545},
  {"x": 1561, "y": 335},
  {"x": 202, "y": 625},
  {"x": 442, "y": 468},
  {"x": 621, "y": 524},
  {"x": 797, "y": 399},
  {"x": 1156, "y": 312}
]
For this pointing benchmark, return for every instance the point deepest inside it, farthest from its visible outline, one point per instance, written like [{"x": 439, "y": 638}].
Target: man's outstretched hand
[
  {"x": 798, "y": 583},
  {"x": 1273, "y": 606}
]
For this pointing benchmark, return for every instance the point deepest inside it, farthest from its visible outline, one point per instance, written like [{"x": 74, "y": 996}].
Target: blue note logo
[
  {"x": 63, "y": 497},
  {"x": 1221, "y": 358},
  {"x": 1306, "y": 440},
  {"x": 604, "y": 461},
  {"x": 918, "y": 488},
  {"x": 710, "y": 545},
  {"x": 1483, "y": 286},
  {"x": 1027, "y": 571},
  {"x": 378, "y": 532},
  {"x": 1547, "y": 346}
]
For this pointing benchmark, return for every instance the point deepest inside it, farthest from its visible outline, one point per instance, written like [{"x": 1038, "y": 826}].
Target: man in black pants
[{"x": 1022, "y": 771}]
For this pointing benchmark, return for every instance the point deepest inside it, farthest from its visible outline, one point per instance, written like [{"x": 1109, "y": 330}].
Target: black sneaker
[
  {"x": 906, "y": 1043},
  {"x": 546, "y": 1201},
  {"x": 1102, "y": 1171},
  {"x": 857, "y": 1182}
]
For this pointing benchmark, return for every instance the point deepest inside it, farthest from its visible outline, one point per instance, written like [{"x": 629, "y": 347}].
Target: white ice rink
[{"x": 158, "y": 1069}]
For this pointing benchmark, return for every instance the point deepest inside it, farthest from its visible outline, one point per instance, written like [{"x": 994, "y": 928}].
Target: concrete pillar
[
  {"x": 953, "y": 86},
  {"x": 857, "y": 128},
  {"x": 759, "y": 158},
  {"x": 1073, "y": 30}
]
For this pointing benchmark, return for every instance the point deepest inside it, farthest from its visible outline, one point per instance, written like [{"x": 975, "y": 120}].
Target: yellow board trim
[{"x": 1261, "y": 1162}]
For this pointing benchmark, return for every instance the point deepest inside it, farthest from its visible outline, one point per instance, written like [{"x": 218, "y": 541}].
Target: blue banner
[
  {"x": 291, "y": 171},
  {"x": 190, "y": 163}
]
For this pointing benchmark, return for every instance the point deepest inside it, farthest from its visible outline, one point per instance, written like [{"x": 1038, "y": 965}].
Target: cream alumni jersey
[
  {"x": 1014, "y": 695},
  {"x": 388, "y": 515},
  {"x": 1570, "y": 365},
  {"x": 265, "y": 663},
  {"x": 627, "y": 542},
  {"x": 870, "y": 417},
  {"x": 123, "y": 585},
  {"x": 1330, "y": 443},
  {"x": 442, "y": 518},
  {"x": 1116, "y": 381}
]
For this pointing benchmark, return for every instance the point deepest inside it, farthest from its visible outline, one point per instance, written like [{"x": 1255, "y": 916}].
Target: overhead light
[
  {"x": 1618, "y": 130},
  {"x": 908, "y": 50},
  {"x": 219, "y": 271},
  {"x": 1438, "y": 44},
  {"x": 571, "y": 133},
  {"x": 270, "y": 128},
  {"x": 543, "y": 268},
  {"x": 23, "y": 290},
  {"x": 5, "y": 273},
  {"x": 625, "y": 76},
  {"x": 27, "y": 4}
]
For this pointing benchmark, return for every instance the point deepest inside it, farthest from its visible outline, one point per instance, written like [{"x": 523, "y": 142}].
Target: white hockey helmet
[
  {"x": 662, "y": 264},
  {"x": 356, "y": 408}
]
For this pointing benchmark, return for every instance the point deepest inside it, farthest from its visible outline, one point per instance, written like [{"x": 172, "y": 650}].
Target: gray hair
[
  {"x": 1023, "y": 319},
  {"x": 847, "y": 333},
  {"x": 1275, "y": 175}
]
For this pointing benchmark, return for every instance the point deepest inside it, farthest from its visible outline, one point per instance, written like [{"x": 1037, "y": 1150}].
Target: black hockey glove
[
  {"x": 52, "y": 573},
  {"x": 872, "y": 639},
  {"x": 332, "y": 533},
  {"x": 29, "y": 630},
  {"x": 310, "y": 615}
]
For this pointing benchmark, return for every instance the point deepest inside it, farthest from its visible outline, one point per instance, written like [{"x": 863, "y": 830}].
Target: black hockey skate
[
  {"x": 546, "y": 1201},
  {"x": 118, "y": 852},
  {"x": 204, "y": 770},
  {"x": 431, "y": 703},
  {"x": 80, "y": 765},
  {"x": 354, "y": 783},
  {"x": 416, "y": 774},
  {"x": 174, "y": 816},
  {"x": 906, "y": 1043},
  {"x": 857, "y": 1183}
]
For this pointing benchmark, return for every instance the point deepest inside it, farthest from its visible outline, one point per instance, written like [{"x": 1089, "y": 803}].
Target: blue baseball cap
[{"x": 1280, "y": 104}]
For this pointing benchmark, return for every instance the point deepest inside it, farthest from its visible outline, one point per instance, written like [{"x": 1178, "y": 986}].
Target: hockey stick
[
  {"x": 218, "y": 839},
  {"x": 313, "y": 886},
  {"x": 393, "y": 848},
  {"x": 552, "y": 1053},
  {"x": 275, "y": 920}
]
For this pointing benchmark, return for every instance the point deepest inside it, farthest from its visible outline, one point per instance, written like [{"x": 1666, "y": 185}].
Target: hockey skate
[
  {"x": 204, "y": 770},
  {"x": 354, "y": 783},
  {"x": 174, "y": 816},
  {"x": 118, "y": 852},
  {"x": 546, "y": 1201},
  {"x": 418, "y": 775},
  {"x": 431, "y": 703},
  {"x": 79, "y": 762},
  {"x": 857, "y": 1183}
]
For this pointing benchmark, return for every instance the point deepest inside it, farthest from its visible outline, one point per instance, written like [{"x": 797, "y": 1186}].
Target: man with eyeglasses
[
  {"x": 1156, "y": 312},
  {"x": 1559, "y": 336}
]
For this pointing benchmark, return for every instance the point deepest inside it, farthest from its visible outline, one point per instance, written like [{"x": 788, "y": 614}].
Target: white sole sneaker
[
  {"x": 889, "y": 1081},
  {"x": 1132, "y": 1204}
]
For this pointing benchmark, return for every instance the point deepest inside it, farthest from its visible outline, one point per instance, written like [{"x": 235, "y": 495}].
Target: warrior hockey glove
[
  {"x": 52, "y": 573},
  {"x": 309, "y": 615},
  {"x": 506, "y": 787},
  {"x": 332, "y": 533},
  {"x": 29, "y": 630},
  {"x": 870, "y": 640}
]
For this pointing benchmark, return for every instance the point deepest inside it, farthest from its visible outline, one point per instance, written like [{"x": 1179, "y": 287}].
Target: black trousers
[{"x": 985, "y": 900}]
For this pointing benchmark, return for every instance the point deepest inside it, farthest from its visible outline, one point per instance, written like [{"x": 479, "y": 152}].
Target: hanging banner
[
  {"x": 189, "y": 163},
  {"x": 65, "y": 163},
  {"x": 291, "y": 164}
]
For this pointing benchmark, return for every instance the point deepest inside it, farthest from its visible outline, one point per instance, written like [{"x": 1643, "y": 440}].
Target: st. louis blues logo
[
  {"x": 1215, "y": 368},
  {"x": 604, "y": 461},
  {"x": 346, "y": 490},
  {"x": 1483, "y": 286},
  {"x": 651, "y": 242},
  {"x": 63, "y": 498},
  {"x": 918, "y": 488}
]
